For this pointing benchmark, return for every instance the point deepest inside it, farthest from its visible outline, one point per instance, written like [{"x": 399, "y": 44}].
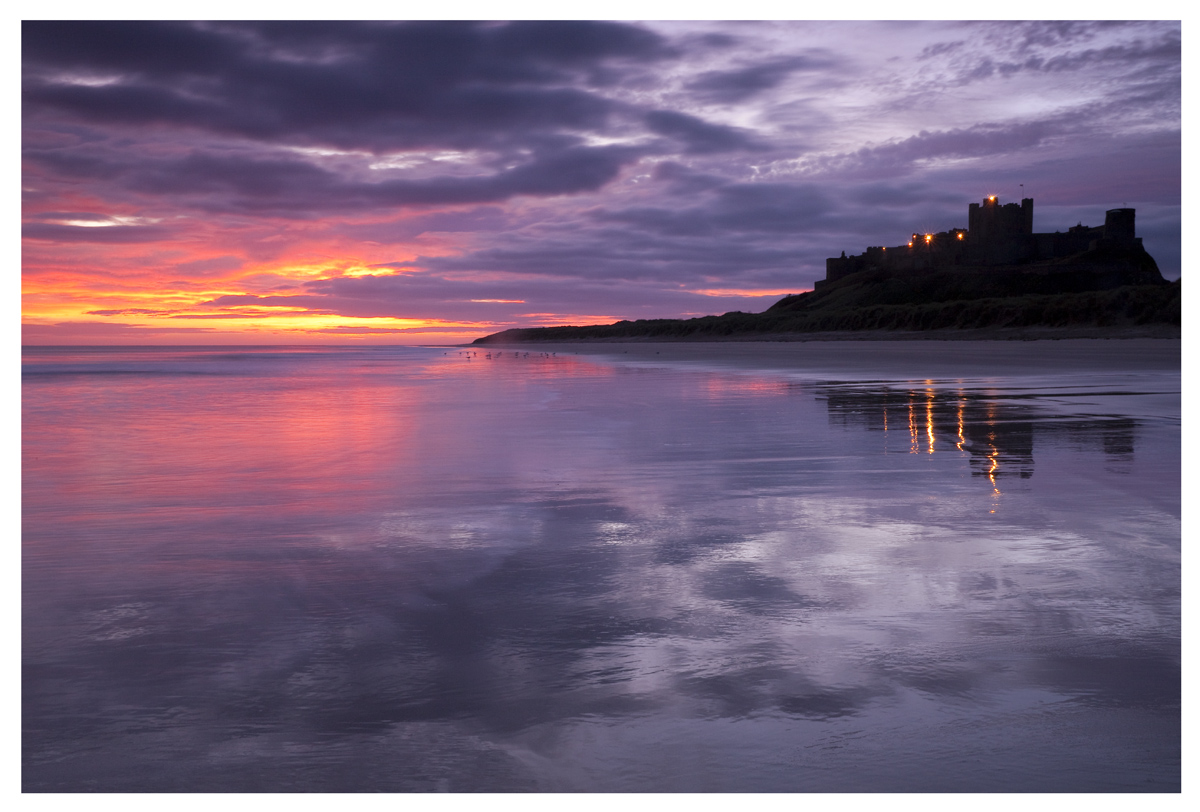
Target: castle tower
[
  {"x": 1118, "y": 226},
  {"x": 990, "y": 222},
  {"x": 998, "y": 233}
]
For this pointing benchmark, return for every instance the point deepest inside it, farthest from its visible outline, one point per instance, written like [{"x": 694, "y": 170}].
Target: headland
[{"x": 996, "y": 279}]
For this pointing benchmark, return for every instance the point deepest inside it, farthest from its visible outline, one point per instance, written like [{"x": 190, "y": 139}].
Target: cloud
[
  {"x": 472, "y": 220},
  {"x": 290, "y": 186},
  {"x": 102, "y": 330},
  {"x": 212, "y": 266},
  {"x": 739, "y": 207},
  {"x": 698, "y": 136},
  {"x": 741, "y": 83},
  {"x": 979, "y": 141},
  {"x": 51, "y": 232},
  {"x": 504, "y": 299},
  {"x": 939, "y": 49},
  {"x": 1056, "y": 47},
  {"x": 349, "y": 85}
]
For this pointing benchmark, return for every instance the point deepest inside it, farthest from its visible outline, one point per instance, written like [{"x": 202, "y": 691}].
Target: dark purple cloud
[
  {"x": 375, "y": 86},
  {"x": 736, "y": 84},
  {"x": 696, "y": 136},
  {"x": 290, "y": 186}
]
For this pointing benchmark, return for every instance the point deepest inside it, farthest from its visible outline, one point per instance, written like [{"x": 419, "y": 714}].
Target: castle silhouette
[{"x": 996, "y": 235}]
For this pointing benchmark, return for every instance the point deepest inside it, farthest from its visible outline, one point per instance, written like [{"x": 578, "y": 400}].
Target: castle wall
[{"x": 1064, "y": 244}]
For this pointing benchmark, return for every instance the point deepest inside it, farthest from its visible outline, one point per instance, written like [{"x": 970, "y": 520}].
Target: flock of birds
[{"x": 472, "y": 354}]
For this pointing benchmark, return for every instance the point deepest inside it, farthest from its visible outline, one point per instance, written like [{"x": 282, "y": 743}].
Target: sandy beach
[
  {"x": 907, "y": 359},
  {"x": 829, "y": 566}
]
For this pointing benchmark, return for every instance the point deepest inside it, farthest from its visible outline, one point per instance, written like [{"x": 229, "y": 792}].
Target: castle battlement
[{"x": 996, "y": 234}]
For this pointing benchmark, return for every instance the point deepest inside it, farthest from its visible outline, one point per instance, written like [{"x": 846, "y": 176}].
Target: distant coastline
[
  {"x": 1127, "y": 311},
  {"x": 997, "y": 279},
  {"x": 1150, "y": 331}
]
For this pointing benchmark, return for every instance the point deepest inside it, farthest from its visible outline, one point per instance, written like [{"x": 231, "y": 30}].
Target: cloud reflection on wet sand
[{"x": 410, "y": 573}]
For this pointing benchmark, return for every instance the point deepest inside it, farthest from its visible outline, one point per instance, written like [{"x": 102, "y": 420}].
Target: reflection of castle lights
[
  {"x": 912, "y": 429},
  {"x": 995, "y": 455},
  {"x": 991, "y": 474},
  {"x": 929, "y": 420},
  {"x": 961, "y": 438}
]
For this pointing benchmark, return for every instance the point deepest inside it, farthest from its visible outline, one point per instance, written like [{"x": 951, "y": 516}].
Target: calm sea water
[{"x": 404, "y": 569}]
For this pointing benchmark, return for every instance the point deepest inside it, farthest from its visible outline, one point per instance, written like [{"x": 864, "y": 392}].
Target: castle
[{"x": 995, "y": 235}]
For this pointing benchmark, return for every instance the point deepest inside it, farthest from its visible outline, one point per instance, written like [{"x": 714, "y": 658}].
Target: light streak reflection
[
  {"x": 929, "y": 416},
  {"x": 961, "y": 439},
  {"x": 912, "y": 428}
]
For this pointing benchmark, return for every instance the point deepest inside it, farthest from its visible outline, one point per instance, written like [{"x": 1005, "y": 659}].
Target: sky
[{"x": 434, "y": 182}]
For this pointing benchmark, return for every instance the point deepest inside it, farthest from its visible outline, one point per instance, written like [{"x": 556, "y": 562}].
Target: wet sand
[
  {"x": 673, "y": 573},
  {"x": 904, "y": 359}
]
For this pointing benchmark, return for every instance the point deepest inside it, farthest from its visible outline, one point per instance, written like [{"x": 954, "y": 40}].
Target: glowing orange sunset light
[{"x": 172, "y": 290}]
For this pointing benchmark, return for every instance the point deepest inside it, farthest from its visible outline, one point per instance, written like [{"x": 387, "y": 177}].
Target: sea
[{"x": 543, "y": 569}]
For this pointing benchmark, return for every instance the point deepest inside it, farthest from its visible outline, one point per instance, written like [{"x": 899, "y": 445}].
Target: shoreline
[
  {"x": 861, "y": 360},
  {"x": 1124, "y": 333}
]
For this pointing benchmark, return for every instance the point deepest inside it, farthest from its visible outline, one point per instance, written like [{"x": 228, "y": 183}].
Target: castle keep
[{"x": 995, "y": 235}]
